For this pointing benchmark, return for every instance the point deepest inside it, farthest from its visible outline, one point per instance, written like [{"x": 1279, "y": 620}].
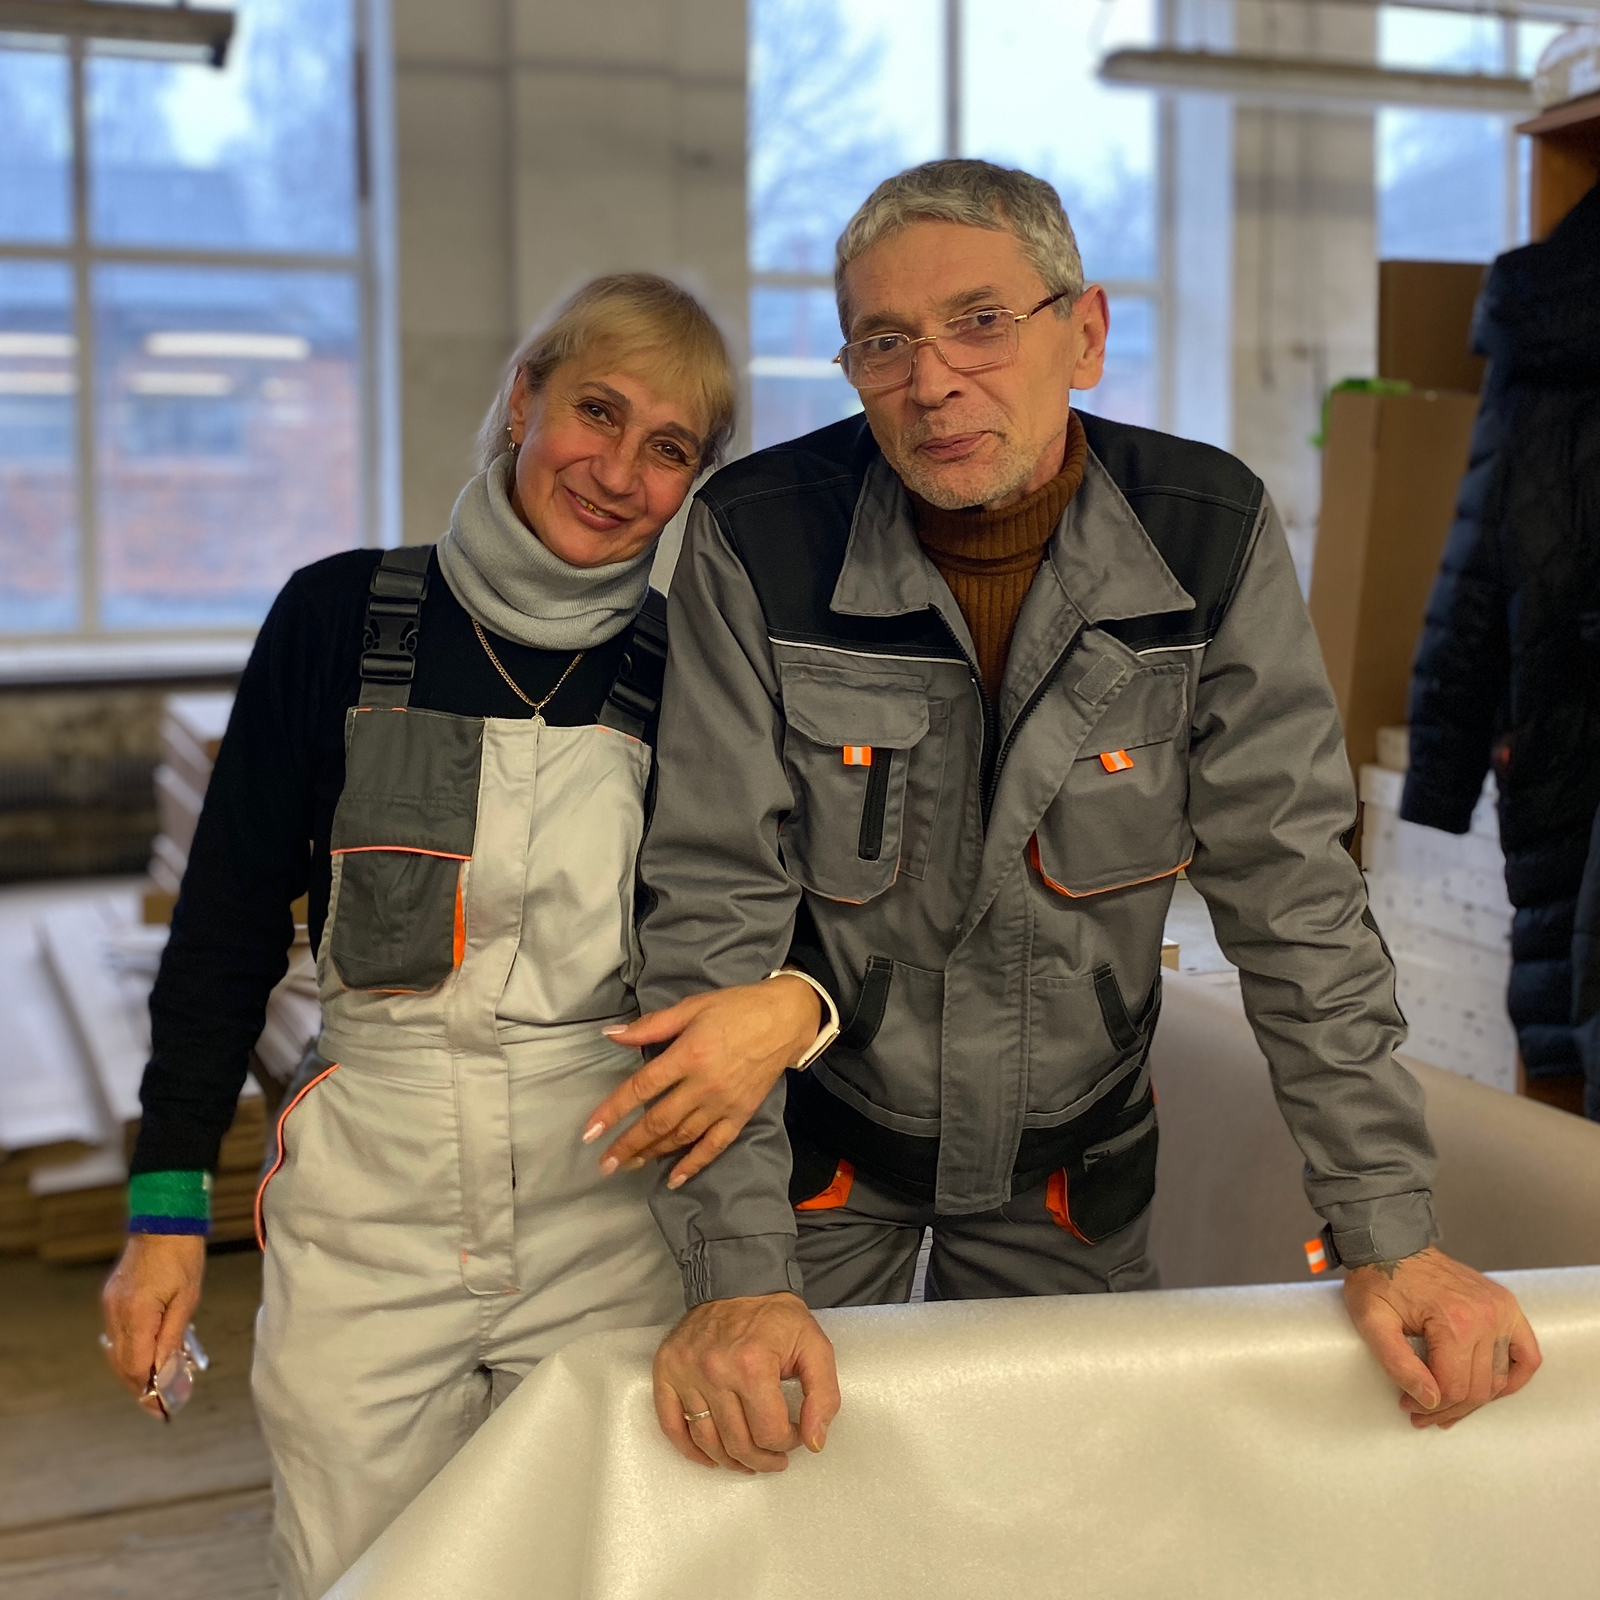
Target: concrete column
[
  {"x": 454, "y": 232},
  {"x": 541, "y": 143},
  {"x": 1304, "y": 258}
]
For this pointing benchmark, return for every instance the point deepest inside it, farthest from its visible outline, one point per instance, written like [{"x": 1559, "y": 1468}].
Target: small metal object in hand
[{"x": 173, "y": 1386}]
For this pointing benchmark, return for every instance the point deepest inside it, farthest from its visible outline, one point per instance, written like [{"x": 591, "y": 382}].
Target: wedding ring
[{"x": 695, "y": 1416}]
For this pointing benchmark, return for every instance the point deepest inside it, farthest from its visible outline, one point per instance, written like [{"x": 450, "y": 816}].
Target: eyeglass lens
[{"x": 983, "y": 339}]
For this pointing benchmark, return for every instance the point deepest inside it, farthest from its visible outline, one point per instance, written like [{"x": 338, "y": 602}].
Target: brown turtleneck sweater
[{"x": 989, "y": 558}]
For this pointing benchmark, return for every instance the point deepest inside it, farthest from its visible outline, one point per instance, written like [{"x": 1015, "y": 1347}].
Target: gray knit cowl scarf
[{"x": 497, "y": 568}]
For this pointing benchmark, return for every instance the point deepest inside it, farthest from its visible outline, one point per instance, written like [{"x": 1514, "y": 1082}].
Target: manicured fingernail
[
  {"x": 636, "y": 1164},
  {"x": 608, "y": 1166},
  {"x": 815, "y": 1443},
  {"x": 676, "y": 1181},
  {"x": 1429, "y": 1399},
  {"x": 593, "y": 1132},
  {"x": 615, "y": 1029}
]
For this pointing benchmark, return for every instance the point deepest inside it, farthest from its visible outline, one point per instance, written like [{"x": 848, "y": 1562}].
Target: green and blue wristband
[{"x": 169, "y": 1202}]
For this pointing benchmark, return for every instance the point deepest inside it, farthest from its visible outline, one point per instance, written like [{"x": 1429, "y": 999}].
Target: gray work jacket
[{"x": 1012, "y": 867}]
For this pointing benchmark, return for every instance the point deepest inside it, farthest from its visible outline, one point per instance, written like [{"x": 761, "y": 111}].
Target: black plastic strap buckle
[
  {"x": 635, "y": 696},
  {"x": 391, "y": 626}
]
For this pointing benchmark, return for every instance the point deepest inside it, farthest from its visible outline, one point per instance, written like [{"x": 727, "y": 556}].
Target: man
[{"x": 954, "y": 693}]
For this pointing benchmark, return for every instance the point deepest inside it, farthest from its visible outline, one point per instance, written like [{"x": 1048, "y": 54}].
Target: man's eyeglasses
[{"x": 986, "y": 338}]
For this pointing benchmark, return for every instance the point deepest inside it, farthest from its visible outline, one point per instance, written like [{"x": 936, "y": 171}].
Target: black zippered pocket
[{"x": 869, "y": 844}]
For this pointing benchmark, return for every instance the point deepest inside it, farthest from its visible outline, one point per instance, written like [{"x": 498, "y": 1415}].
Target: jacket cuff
[
  {"x": 1432, "y": 810},
  {"x": 169, "y": 1202},
  {"x": 724, "y": 1269},
  {"x": 1389, "y": 1229}
]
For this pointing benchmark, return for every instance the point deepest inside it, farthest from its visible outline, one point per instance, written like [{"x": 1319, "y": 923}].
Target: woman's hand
[
  {"x": 727, "y": 1050},
  {"x": 149, "y": 1300}
]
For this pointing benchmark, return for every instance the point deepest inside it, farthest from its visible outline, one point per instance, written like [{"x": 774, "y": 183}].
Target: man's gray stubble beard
[{"x": 910, "y": 471}]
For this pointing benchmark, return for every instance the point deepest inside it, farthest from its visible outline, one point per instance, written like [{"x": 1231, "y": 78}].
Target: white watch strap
[{"x": 829, "y": 1030}]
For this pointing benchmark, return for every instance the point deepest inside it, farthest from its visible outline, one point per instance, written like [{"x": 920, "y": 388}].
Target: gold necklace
[{"x": 511, "y": 683}]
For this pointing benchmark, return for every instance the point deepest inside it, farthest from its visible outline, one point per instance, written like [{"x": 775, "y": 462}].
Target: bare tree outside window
[{"x": 843, "y": 95}]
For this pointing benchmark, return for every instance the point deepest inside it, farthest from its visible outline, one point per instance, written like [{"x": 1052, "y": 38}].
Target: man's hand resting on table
[
  {"x": 1480, "y": 1346},
  {"x": 728, "y": 1047},
  {"x": 728, "y": 1357}
]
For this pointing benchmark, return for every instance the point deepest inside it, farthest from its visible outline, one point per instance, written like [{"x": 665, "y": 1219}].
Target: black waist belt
[{"x": 822, "y": 1128}]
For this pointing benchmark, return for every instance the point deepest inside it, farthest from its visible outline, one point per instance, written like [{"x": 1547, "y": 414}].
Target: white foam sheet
[{"x": 1203, "y": 1443}]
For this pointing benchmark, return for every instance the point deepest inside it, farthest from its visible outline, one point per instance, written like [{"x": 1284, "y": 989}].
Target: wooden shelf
[{"x": 1566, "y": 160}]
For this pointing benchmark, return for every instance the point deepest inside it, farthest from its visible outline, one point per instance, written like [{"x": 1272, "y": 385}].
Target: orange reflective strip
[
  {"x": 398, "y": 850},
  {"x": 837, "y": 1192},
  {"x": 283, "y": 1117},
  {"x": 858, "y": 755},
  {"x": 1084, "y": 894},
  {"x": 1115, "y": 760},
  {"x": 1056, "y": 1203},
  {"x": 1316, "y": 1256},
  {"x": 461, "y": 925}
]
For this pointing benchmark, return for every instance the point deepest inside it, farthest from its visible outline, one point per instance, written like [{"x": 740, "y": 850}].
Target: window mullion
[
  {"x": 952, "y": 77},
  {"x": 83, "y": 327}
]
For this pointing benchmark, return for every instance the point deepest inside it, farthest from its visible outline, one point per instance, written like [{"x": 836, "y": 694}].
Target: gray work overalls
[{"x": 433, "y": 1225}]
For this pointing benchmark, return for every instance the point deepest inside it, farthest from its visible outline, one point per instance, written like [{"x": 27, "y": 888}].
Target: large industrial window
[
  {"x": 1452, "y": 185},
  {"x": 182, "y": 416},
  {"x": 843, "y": 94}
]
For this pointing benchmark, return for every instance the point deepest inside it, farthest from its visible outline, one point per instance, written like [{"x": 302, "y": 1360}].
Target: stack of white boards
[
  {"x": 75, "y": 979},
  {"x": 1440, "y": 901},
  {"x": 100, "y": 965},
  {"x": 75, "y": 975},
  {"x": 191, "y": 735},
  {"x": 48, "y": 1110}
]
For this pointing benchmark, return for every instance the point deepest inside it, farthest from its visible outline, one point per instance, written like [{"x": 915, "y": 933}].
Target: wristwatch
[{"x": 829, "y": 1030}]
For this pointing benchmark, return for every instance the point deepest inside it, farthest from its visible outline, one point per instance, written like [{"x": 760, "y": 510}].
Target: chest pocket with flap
[
  {"x": 848, "y": 749},
  {"x": 403, "y": 836},
  {"x": 1121, "y": 817}
]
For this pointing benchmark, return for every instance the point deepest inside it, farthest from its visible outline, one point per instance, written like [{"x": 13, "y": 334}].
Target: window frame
[
  {"x": 93, "y": 650},
  {"x": 1516, "y": 199},
  {"x": 1158, "y": 290}
]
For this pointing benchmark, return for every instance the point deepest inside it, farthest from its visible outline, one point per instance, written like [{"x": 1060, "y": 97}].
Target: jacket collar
[{"x": 1099, "y": 553}]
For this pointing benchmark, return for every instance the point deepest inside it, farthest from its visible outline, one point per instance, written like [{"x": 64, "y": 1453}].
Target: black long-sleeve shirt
[{"x": 263, "y": 835}]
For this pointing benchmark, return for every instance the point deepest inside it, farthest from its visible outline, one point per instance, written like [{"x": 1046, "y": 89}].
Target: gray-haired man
[{"x": 954, "y": 693}]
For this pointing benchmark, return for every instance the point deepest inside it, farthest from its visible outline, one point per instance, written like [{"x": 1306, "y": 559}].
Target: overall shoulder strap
[
  {"x": 635, "y": 696},
  {"x": 389, "y": 636}
]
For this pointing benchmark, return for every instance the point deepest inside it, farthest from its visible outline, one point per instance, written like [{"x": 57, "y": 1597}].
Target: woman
[{"x": 456, "y": 732}]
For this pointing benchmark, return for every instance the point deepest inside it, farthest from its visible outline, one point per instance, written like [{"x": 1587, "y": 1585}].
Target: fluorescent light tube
[{"x": 1304, "y": 83}]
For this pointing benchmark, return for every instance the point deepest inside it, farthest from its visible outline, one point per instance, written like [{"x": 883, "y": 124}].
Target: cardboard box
[
  {"x": 1391, "y": 466},
  {"x": 1425, "y": 321}
]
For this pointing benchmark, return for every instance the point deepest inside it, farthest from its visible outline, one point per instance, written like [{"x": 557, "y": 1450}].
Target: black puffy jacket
[
  {"x": 1586, "y": 975},
  {"x": 1509, "y": 663}
]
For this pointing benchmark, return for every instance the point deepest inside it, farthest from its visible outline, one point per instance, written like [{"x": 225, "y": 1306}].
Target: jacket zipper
[
  {"x": 869, "y": 845},
  {"x": 990, "y": 729},
  {"x": 989, "y": 773},
  {"x": 993, "y": 781}
]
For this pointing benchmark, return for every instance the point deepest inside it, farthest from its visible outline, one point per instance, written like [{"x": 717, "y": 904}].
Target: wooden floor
[{"x": 96, "y": 1499}]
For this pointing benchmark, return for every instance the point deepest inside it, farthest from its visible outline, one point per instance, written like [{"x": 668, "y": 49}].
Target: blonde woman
[{"x": 461, "y": 732}]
